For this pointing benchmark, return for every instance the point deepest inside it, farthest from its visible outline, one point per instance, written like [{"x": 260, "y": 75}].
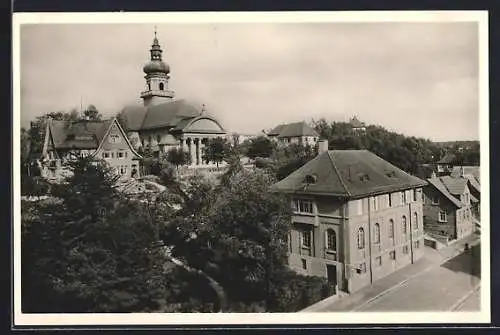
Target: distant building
[
  {"x": 356, "y": 125},
  {"x": 356, "y": 217},
  {"x": 445, "y": 164},
  {"x": 297, "y": 132},
  {"x": 106, "y": 140},
  {"x": 162, "y": 122},
  {"x": 239, "y": 138},
  {"x": 448, "y": 207}
]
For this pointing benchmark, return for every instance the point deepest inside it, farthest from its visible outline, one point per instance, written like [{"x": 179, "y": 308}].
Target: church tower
[{"x": 157, "y": 76}]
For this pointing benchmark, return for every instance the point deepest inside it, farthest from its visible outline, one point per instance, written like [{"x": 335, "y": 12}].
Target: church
[{"x": 163, "y": 122}]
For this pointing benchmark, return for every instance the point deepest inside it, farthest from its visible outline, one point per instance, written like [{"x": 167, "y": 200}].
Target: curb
[{"x": 464, "y": 298}]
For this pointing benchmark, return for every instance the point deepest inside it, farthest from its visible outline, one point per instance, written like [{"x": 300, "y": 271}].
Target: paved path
[
  {"x": 403, "y": 289},
  {"x": 438, "y": 289}
]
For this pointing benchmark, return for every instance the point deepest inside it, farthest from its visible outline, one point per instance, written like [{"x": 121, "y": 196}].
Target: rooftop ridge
[{"x": 330, "y": 157}]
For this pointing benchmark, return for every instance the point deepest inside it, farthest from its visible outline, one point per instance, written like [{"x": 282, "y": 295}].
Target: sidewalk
[{"x": 354, "y": 301}]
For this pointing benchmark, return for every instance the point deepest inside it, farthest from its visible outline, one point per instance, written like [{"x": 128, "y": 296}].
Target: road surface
[{"x": 440, "y": 288}]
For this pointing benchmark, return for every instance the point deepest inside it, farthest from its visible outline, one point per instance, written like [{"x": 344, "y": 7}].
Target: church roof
[
  {"x": 293, "y": 130},
  {"x": 167, "y": 114},
  {"x": 348, "y": 174}
]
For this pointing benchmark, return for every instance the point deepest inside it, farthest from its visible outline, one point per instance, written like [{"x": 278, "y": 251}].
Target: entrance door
[{"x": 331, "y": 273}]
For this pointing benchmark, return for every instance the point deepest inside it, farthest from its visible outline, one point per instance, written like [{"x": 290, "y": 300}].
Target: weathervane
[{"x": 155, "y": 30}]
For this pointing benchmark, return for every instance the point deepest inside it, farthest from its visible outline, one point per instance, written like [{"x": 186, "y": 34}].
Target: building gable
[{"x": 115, "y": 139}]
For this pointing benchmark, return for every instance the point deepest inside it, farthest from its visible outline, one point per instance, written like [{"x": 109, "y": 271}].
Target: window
[
  {"x": 404, "y": 229},
  {"x": 416, "y": 244},
  {"x": 306, "y": 238},
  {"x": 415, "y": 220},
  {"x": 466, "y": 197},
  {"x": 415, "y": 195},
  {"x": 443, "y": 216},
  {"x": 105, "y": 155},
  {"x": 378, "y": 261},
  {"x": 375, "y": 203},
  {"x": 123, "y": 170},
  {"x": 361, "y": 238},
  {"x": 304, "y": 264},
  {"x": 121, "y": 154},
  {"x": 405, "y": 249},
  {"x": 361, "y": 268},
  {"x": 302, "y": 206},
  {"x": 331, "y": 240},
  {"x": 392, "y": 255},
  {"x": 161, "y": 86},
  {"x": 149, "y": 86},
  {"x": 114, "y": 138},
  {"x": 289, "y": 242},
  {"x": 376, "y": 237},
  {"x": 403, "y": 197},
  {"x": 391, "y": 229},
  {"x": 435, "y": 200},
  {"x": 390, "y": 199}
]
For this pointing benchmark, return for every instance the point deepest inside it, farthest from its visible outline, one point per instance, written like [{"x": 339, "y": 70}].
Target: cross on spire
[{"x": 155, "y": 30}]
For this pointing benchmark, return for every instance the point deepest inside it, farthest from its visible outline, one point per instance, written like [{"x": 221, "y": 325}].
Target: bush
[{"x": 292, "y": 292}]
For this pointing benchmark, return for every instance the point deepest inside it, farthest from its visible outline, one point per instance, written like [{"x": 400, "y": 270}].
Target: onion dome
[{"x": 156, "y": 65}]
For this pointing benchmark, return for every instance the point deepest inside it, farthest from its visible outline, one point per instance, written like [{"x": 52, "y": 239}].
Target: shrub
[{"x": 292, "y": 292}]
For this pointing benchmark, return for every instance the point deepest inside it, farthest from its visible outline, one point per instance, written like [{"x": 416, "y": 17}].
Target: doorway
[{"x": 331, "y": 274}]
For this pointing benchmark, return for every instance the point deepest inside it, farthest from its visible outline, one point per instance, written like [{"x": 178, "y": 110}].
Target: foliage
[
  {"x": 178, "y": 157},
  {"x": 91, "y": 113},
  {"x": 291, "y": 157},
  {"x": 260, "y": 147},
  {"x": 235, "y": 232},
  {"x": 93, "y": 251},
  {"x": 216, "y": 150},
  {"x": 34, "y": 186},
  {"x": 407, "y": 153},
  {"x": 292, "y": 292}
]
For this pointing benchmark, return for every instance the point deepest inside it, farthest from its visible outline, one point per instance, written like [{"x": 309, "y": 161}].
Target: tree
[
  {"x": 260, "y": 147},
  {"x": 216, "y": 150},
  {"x": 178, "y": 157},
  {"x": 234, "y": 232},
  {"x": 92, "y": 250},
  {"x": 91, "y": 113}
]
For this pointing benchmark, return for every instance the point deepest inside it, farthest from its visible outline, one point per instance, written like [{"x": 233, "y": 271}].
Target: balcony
[{"x": 158, "y": 93}]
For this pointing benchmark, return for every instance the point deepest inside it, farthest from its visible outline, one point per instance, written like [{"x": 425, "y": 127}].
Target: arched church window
[
  {"x": 161, "y": 87},
  {"x": 149, "y": 86}
]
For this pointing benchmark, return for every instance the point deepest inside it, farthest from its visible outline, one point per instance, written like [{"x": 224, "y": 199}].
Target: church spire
[{"x": 157, "y": 75}]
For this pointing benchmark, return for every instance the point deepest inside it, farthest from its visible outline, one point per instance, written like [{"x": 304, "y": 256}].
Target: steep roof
[
  {"x": 83, "y": 134},
  {"x": 474, "y": 183},
  {"x": 441, "y": 187},
  {"x": 293, "y": 130},
  {"x": 349, "y": 174},
  {"x": 455, "y": 186}
]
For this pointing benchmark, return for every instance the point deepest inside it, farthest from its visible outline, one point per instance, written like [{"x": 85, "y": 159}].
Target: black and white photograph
[{"x": 192, "y": 168}]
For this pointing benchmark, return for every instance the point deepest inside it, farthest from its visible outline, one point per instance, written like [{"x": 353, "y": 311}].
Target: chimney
[{"x": 322, "y": 146}]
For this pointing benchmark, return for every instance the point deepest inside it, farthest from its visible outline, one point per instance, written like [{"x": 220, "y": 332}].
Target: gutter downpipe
[
  {"x": 411, "y": 232},
  {"x": 370, "y": 239}
]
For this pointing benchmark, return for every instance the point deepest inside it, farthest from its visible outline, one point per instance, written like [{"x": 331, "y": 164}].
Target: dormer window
[
  {"x": 364, "y": 177},
  {"x": 310, "y": 179},
  {"x": 161, "y": 87}
]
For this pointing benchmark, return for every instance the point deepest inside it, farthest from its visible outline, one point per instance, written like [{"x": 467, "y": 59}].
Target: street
[{"x": 440, "y": 288}]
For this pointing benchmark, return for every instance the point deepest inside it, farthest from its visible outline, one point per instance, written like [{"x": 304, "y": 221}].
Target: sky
[{"x": 419, "y": 79}]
